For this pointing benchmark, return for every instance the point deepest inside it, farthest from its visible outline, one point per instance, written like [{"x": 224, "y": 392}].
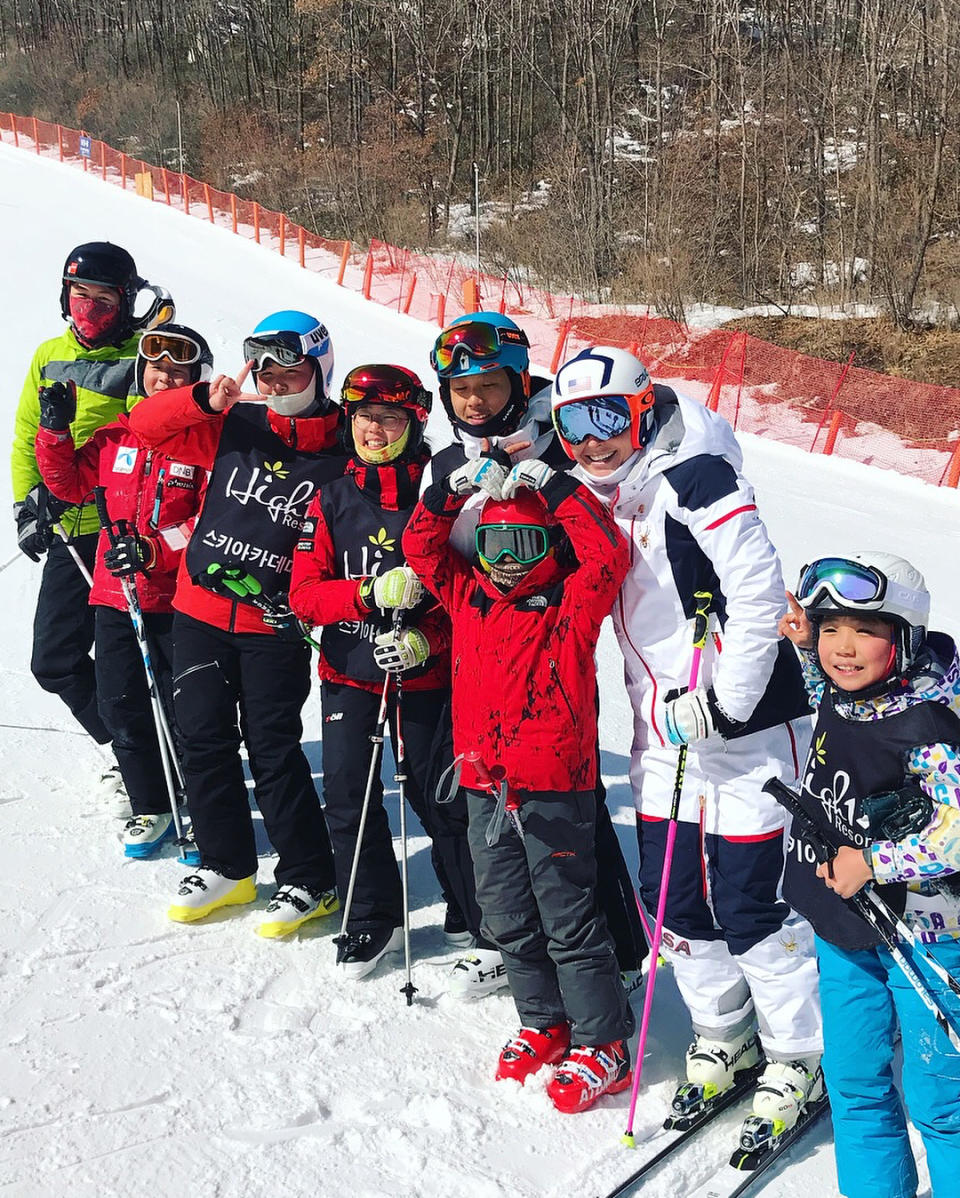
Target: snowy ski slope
[{"x": 142, "y": 1057}]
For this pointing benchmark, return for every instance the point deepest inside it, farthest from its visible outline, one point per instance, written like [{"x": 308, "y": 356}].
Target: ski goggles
[
  {"x": 603, "y": 417},
  {"x": 525, "y": 543},
  {"x": 384, "y": 384},
  {"x": 844, "y": 581},
  {"x": 475, "y": 338},
  {"x": 286, "y": 349},
  {"x": 175, "y": 346}
]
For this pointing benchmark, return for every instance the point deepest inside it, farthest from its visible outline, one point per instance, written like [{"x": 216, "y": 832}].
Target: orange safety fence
[{"x": 761, "y": 388}]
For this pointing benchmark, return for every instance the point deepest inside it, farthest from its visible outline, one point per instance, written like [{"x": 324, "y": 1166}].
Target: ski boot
[
  {"x": 713, "y": 1067},
  {"x": 587, "y": 1072},
  {"x": 531, "y": 1049},
  {"x": 781, "y": 1100}
]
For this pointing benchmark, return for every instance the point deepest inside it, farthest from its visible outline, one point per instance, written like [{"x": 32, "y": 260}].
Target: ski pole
[
  {"x": 877, "y": 913},
  {"x": 376, "y": 739},
  {"x": 72, "y": 550},
  {"x": 408, "y": 988},
  {"x": 700, "y": 627},
  {"x": 165, "y": 744},
  {"x": 15, "y": 557}
]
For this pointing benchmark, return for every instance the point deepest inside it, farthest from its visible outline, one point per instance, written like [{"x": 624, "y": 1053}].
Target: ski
[
  {"x": 731, "y": 1182},
  {"x": 667, "y": 1140}
]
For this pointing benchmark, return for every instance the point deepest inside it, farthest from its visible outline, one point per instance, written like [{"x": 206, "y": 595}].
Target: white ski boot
[
  {"x": 713, "y": 1066},
  {"x": 476, "y": 973},
  {"x": 144, "y": 834},
  {"x": 784, "y": 1091},
  {"x": 112, "y": 792}
]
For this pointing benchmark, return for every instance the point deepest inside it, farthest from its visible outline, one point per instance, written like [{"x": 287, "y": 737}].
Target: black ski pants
[
  {"x": 63, "y": 631},
  {"x": 349, "y": 719},
  {"x": 230, "y": 686},
  {"x": 124, "y": 701},
  {"x": 538, "y": 895}
]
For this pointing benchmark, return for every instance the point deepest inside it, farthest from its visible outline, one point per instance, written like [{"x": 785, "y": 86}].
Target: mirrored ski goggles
[
  {"x": 603, "y": 417},
  {"x": 525, "y": 543},
  {"x": 383, "y": 384},
  {"x": 477, "y": 339},
  {"x": 286, "y": 349},
  {"x": 843, "y": 580},
  {"x": 182, "y": 350}
]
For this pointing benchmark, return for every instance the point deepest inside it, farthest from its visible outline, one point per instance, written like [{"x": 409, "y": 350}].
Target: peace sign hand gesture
[{"x": 795, "y": 624}]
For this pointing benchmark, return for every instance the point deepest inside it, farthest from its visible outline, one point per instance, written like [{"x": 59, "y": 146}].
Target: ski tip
[{"x": 627, "y": 1139}]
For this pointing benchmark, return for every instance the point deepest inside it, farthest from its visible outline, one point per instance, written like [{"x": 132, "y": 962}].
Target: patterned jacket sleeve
[{"x": 936, "y": 848}]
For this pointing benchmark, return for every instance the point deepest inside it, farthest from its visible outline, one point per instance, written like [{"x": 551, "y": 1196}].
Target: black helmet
[
  {"x": 180, "y": 344},
  {"x": 107, "y": 265}
]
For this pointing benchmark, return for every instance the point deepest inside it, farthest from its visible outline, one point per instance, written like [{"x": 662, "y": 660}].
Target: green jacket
[{"x": 104, "y": 377}]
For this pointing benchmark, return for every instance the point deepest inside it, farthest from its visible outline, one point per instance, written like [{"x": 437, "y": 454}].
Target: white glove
[
  {"x": 479, "y": 474},
  {"x": 689, "y": 717},
  {"x": 531, "y": 474},
  {"x": 396, "y": 589},
  {"x": 394, "y": 654}
]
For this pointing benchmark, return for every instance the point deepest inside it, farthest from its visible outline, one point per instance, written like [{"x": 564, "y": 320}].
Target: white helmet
[
  {"x": 880, "y": 584},
  {"x": 614, "y": 376}
]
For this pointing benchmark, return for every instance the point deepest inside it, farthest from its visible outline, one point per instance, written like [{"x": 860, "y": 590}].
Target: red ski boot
[
  {"x": 587, "y": 1072},
  {"x": 530, "y": 1050}
]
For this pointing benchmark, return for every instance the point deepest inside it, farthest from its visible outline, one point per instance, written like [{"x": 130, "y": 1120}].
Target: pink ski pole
[{"x": 700, "y": 624}]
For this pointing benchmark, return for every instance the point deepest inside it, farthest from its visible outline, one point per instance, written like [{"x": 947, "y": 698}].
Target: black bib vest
[
  {"x": 849, "y": 761},
  {"x": 366, "y": 540},
  {"x": 257, "y": 498}
]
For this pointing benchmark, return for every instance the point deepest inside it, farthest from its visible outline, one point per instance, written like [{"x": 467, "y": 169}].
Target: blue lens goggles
[
  {"x": 842, "y": 580},
  {"x": 603, "y": 417}
]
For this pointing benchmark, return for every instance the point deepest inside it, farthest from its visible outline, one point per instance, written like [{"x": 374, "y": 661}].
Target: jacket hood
[
  {"x": 683, "y": 429},
  {"x": 544, "y": 574}
]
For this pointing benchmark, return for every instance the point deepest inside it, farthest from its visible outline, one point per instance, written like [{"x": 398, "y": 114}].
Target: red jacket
[
  {"x": 180, "y": 423},
  {"x": 352, "y": 533},
  {"x": 156, "y": 495},
  {"x": 524, "y": 682}
]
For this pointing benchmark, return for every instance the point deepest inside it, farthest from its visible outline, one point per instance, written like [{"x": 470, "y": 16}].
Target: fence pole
[
  {"x": 103, "y": 161},
  {"x": 833, "y": 411},
  {"x": 206, "y": 196},
  {"x": 233, "y": 211},
  {"x": 185, "y": 192},
  {"x": 441, "y": 309},
  {"x": 344, "y": 258},
  {"x": 562, "y": 335},
  {"x": 953, "y": 470},
  {"x": 256, "y": 222},
  {"x": 283, "y": 236},
  {"x": 166, "y": 186},
  {"x": 123, "y": 171},
  {"x": 16, "y": 139},
  {"x": 743, "y": 367},
  {"x": 60, "y": 140},
  {"x": 301, "y": 245},
  {"x": 833, "y": 431},
  {"x": 413, "y": 287},
  {"x": 368, "y": 274},
  {"x": 36, "y": 135}
]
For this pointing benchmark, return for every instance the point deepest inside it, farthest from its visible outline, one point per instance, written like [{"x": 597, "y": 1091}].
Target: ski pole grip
[
  {"x": 823, "y": 850},
  {"x": 100, "y": 501}
]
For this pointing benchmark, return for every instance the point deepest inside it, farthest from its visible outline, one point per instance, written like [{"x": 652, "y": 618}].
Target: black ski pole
[
  {"x": 408, "y": 988},
  {"x": 874, "y": 910}
]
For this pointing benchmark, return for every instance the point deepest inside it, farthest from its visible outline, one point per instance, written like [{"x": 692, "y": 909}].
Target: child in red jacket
[
  {"x": 525, "y": 621},
  {"x": 158, "y": 498}
]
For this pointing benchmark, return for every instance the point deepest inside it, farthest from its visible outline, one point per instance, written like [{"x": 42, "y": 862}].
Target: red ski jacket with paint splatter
[{"x": 524, "y": 678}]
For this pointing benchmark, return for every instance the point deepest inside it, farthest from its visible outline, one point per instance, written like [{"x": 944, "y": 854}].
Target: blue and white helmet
[{"x": 287, "y": 338}]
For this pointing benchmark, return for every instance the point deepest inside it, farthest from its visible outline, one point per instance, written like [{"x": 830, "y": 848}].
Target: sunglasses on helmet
[
  {"x": 525, "y": 543},
  {"x": 175, "y": 346},
  {"x": 843, "y": 581},
  {"x": 286, "y": 349},
  {"x": 383, "y": 384},
  {"x": 475, "y": 338},
  {"x": 603, "y": 417}
]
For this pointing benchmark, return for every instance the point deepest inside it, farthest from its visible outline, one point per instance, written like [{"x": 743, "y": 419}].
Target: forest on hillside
[{"x": 661, "y": 151}]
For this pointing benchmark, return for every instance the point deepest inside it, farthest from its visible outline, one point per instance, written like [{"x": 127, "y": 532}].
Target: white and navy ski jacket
[{"x": 692, "y": 522}]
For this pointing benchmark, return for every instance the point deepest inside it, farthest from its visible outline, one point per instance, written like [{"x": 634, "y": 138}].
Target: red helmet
[{"x": 519, "y": 528}]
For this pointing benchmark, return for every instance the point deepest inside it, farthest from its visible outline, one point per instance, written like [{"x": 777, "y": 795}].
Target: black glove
[
  {"x": 35, "y": 518},
  {"x": 285, "y": 623},
  {"x": 130, "y": 553},
  {"x": 58, "y": 406}
]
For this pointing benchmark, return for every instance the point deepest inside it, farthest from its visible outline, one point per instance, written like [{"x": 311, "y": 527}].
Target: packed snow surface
[{"x": 142, "y": 1057}]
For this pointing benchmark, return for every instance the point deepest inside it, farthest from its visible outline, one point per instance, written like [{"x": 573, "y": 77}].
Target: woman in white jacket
[{"x": 670, "y": 471}]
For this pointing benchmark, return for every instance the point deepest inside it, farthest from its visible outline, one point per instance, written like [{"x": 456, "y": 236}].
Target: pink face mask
[{"x": 92, "y": 318}]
